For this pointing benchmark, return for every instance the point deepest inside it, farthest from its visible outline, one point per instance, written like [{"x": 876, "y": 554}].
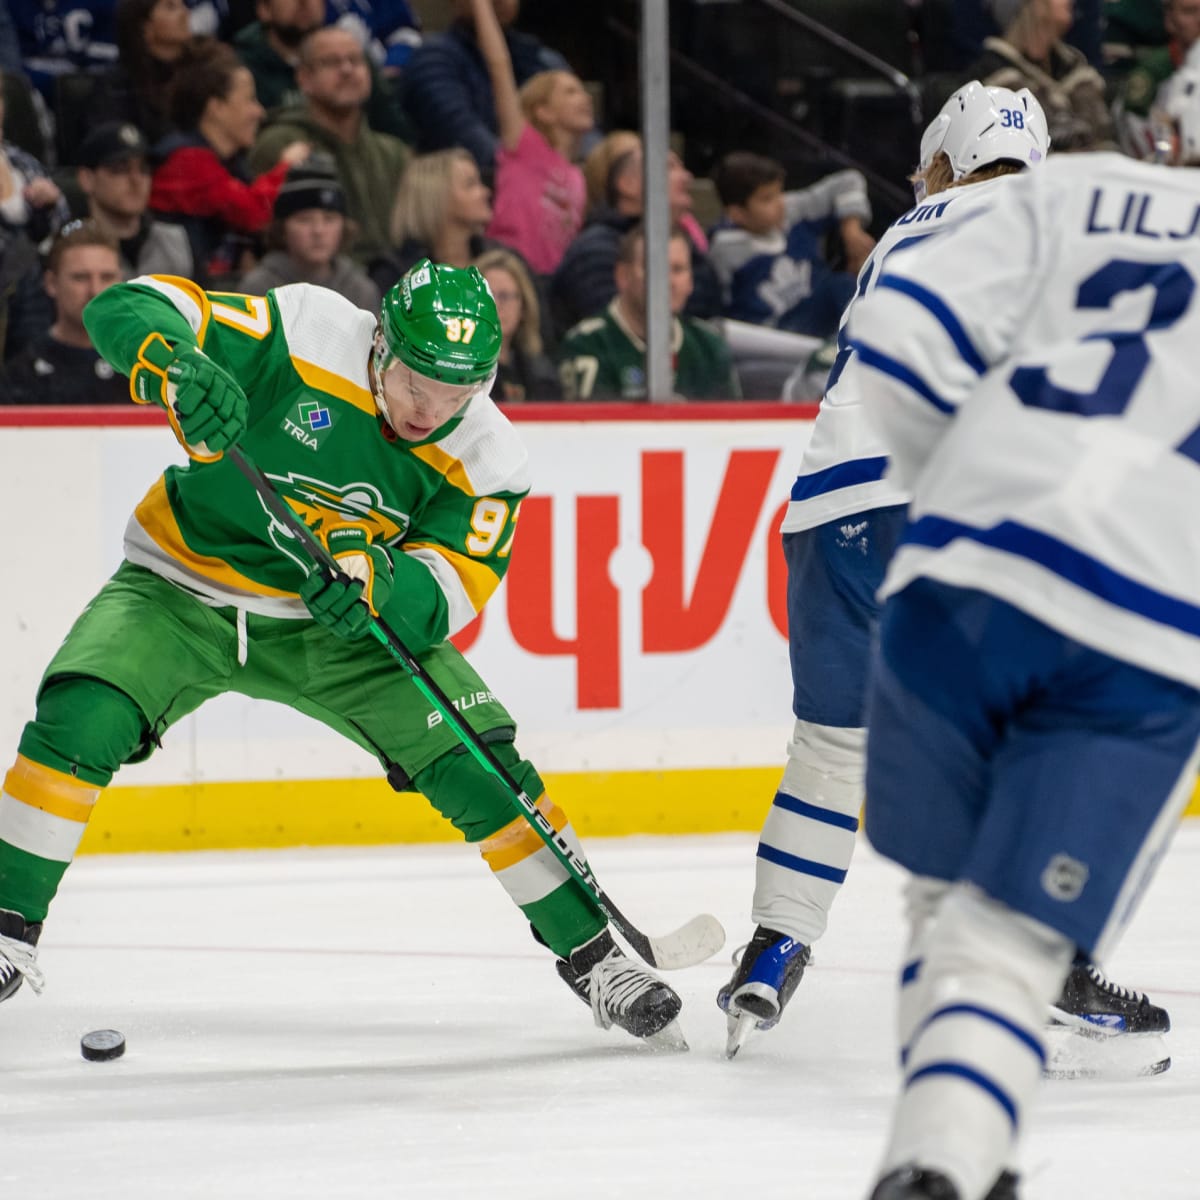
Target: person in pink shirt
[{"x": 541, "y": 195}]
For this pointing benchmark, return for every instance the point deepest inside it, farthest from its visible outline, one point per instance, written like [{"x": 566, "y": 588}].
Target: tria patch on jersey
[{"x": 307, "y": 421}]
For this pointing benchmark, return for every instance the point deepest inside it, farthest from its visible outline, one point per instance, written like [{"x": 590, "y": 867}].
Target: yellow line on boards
[{"x": 365, "y": 812}]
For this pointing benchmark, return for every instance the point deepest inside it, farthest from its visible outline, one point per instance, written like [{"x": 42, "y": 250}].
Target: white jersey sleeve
[
  {"x": 1035, "y": 375},
  {"x": 844, "y": 469}
]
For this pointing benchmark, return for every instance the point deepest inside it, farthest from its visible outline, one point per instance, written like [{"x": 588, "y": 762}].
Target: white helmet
[
  {"x": 1183, "y": 107},
  {"x": 979, "y": 126}
]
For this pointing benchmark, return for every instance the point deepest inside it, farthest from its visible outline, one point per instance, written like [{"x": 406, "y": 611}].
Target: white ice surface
[{"x": 378, "y": 1023}]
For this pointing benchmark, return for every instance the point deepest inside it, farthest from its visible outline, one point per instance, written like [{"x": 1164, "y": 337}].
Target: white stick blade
[{"x": 690, "y": 944}]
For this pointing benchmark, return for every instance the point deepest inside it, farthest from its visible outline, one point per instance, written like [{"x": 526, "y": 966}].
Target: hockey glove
[
  {"x": 361, "y": 586},
  {"x": 206, "y": 406}
]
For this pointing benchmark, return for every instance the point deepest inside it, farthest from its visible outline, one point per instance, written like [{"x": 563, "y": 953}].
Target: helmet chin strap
[{"x": 377, "y": 379}]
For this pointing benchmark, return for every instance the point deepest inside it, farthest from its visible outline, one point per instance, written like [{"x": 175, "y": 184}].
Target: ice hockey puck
[{"x": 102, "y": 1044}]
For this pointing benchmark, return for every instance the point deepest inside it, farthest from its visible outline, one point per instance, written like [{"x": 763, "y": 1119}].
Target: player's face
[
  {"x": 238, "y": 113},
  {"x": 470, "y": 200},
  {"x": 122, "y": 189},
  {"x": 507, "y": 295},
  {"x": 1182, "y": 19},
  {"x": 167, "y": 28},
  {"x": 763, "y": 211},
  {"x": 312, "y": 236},
  {"x": 417, "y": 405},
  {"x": 337, "y": 74},
  {"x": 83, "y": 272}
]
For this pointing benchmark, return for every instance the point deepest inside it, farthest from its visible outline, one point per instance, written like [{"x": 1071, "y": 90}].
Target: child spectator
[
  {"x": 767, "y": 251},
  {"x": 202, "y": 181},
  {"x": 30, "y": 201},
  {"x": 600, "y": 159},
  {"x": 114, "y": 176},
  {"x": 62, "y": 366},
  {"x": 540, "y": 192},
  {"x": 523, "y": 372},
  {"x": 306, "y": 237},
  {"x": 604, "y": 357},
  {"x": 442, "y": 208}
]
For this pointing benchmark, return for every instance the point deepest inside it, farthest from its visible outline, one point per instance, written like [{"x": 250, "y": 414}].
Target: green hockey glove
[
  {"x": 206, "y": 406},
  {"x": 363, "y": 580}
]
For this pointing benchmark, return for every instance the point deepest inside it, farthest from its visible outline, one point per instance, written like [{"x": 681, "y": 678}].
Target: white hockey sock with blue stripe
[
  {"x": 808, "y": 837},
  {"x": 975, "y": 1055}
]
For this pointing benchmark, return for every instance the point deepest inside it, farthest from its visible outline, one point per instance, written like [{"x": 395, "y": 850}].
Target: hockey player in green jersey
[{"x": 380, "y": 434}]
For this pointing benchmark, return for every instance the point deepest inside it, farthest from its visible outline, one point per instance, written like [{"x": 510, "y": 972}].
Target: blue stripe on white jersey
[{"x": 843, "y": 470}]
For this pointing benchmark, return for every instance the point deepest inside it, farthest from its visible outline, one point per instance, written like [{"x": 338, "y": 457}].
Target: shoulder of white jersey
[
  {"x": 585, "y": 328},
  {"x": 324, "y": 329},
  {"x": 490, "y": 457}
]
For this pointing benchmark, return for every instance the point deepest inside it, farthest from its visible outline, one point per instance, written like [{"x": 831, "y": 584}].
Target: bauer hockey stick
[{"x": 692, "y": 943}]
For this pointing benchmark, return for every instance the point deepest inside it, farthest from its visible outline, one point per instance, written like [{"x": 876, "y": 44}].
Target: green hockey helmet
[{"x": 442, "y": 323}]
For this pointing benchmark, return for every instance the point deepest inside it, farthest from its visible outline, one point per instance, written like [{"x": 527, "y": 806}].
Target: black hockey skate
[
  {"x": 1100, "y": 1011},
  {"x": 765, "y": 977},
  {"x": 622, "y": 993},
  {"x": 18, "y": 953},
  {"x": 914, "y": 1183},
  {"x": 1089, "y": 997}
]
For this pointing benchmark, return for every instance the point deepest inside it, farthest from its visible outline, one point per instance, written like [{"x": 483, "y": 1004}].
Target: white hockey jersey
[
  {"x": 1036, "y": 378},
  {"x": 843, "y": 468}
]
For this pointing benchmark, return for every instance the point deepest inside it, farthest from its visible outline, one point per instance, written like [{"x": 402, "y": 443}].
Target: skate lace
[
  {"x": 16, "y": 955},
  {"x": 1113, "y": 989},
  {"x": 613, "y": 984}
]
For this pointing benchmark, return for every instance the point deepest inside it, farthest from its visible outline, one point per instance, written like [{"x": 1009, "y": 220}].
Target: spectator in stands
[
  {"x": 29, "y": 199},
  {"x": 25, "y": 309},
  {"x": 270, "y": 47},
  {"x": 335, "y": 80},
  {"x": 152, "y": 36},
  {"x": 524, "y": 372},
  {"x": 202, "y": 181},
  {"x": 114, "y": 176},
  {"x": 584, "y": 281},
  {"x": 441, "y": 211},
  {"x": 604, "y": 357},
  {"x": 306, "y": 236},
  {"x": 447, "y": 88},
  {"x": 600, "y": 159},
  {"x": 1031, "y": 53},
  {"x": 61, "y": 38},
  {"x": 1144, "y": 84},
  {"x": 389, "y": 30},
  {"x": 768, "y": 252},
  {"x": 61, "y": 366},
  {"x": 540, "y": 192}
]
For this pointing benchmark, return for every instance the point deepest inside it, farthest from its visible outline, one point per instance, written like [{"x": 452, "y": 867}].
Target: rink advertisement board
[{"x": 639, "y": 637}]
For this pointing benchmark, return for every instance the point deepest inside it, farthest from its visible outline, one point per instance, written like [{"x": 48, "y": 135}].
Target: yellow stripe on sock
[
  {"x": 518, "y": 839},
  {"x": 50, "y": 791}
]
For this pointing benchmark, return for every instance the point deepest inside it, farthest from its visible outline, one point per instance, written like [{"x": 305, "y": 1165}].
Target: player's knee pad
[
  {"x": 825, "y": 766},
  {"x": 84, "y": 727},
  {"x": 473, "y": 800}
]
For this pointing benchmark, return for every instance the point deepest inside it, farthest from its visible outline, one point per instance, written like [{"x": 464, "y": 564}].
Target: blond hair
[
  {"x": 939, "y": 175},
  {"x": 535, "y": 92},
  {"x": 598, "y": 163},
  {"x": 419, "y": 212},
  {"x": 528, "y": 336}
]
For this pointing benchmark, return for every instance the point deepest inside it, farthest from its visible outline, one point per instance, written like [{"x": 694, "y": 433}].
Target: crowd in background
[{"x": 331, "y": 142}]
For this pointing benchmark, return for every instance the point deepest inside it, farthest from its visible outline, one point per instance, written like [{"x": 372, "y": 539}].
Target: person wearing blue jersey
[
  {"x": 1034, "y": 710},
  {"x": 841, "y": 527},
  {"x": 768, "y": 252}
]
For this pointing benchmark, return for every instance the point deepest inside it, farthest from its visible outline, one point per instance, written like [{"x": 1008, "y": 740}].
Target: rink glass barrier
[{"x": 639, "y": 638}]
